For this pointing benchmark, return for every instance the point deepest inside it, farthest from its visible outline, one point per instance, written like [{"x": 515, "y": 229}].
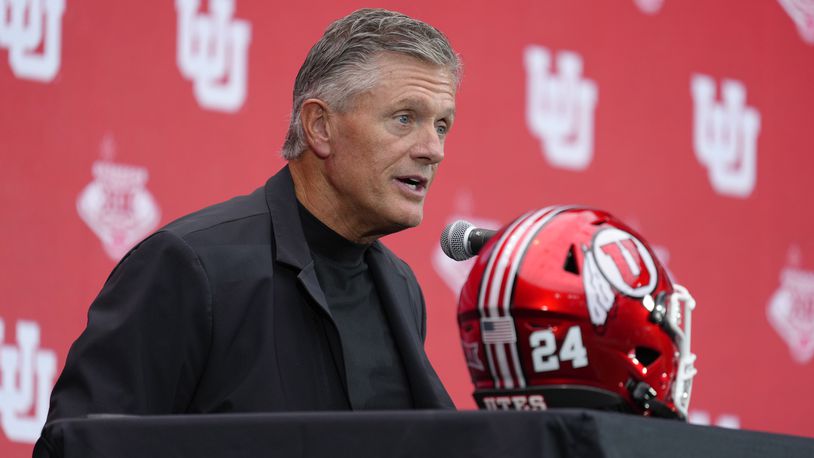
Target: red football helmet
[{"x": 568, "y": 307}]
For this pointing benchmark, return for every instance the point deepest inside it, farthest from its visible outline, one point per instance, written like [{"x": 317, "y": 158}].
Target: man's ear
[{"x": 314, "y": 118}]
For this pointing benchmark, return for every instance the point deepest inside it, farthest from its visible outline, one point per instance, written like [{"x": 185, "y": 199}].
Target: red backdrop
[{"x": 691, "y": 120}]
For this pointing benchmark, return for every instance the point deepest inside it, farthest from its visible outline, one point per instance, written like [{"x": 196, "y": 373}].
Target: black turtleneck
[{"x": 375, "y": 374}]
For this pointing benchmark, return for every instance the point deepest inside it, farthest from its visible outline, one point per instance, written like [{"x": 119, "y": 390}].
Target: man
[{"x": 284, "y": 300}]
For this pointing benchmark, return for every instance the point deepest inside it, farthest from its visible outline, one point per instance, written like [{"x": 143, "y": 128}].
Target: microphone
[{"x": 461, "y": 240}]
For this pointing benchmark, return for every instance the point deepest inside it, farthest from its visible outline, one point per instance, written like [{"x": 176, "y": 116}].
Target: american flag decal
[{"x": 498, "y": 330}]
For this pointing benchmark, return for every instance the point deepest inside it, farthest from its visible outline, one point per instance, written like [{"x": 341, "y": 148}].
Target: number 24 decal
[{"x": 544, "y": 347}]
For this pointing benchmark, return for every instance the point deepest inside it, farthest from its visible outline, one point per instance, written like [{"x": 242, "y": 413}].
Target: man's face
[{"x": 386, "y": 147}]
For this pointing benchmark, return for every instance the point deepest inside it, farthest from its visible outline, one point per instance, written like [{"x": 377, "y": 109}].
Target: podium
[{"x": 553, "y": 433}]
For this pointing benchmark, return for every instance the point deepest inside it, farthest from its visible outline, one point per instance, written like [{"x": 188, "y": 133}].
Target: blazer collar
[
  {"x": 289, "y": 238},
  {"x": 292, "y": 249}
]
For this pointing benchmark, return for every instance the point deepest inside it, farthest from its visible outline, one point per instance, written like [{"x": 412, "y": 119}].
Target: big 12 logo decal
[
  {"x": 212, "y": 50},
  {"x": 725, "y": 135},
  {"x": 560, "y": 107},
  {"x": 25, "y": 27},
  {"x": 615, "y": 261}
]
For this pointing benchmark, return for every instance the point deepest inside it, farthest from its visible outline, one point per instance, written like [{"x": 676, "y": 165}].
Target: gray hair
[{"x": 342, "y": 63}]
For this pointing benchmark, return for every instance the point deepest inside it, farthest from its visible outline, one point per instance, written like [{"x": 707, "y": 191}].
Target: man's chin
[
  {"x": 413, "y": 217},
  {"x": 405, "y": 220}
]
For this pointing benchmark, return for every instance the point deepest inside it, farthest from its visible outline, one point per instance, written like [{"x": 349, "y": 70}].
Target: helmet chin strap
[{"x": 645, "y": 397}]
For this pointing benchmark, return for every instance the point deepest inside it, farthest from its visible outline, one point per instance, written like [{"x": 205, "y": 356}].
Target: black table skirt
[{"x": 555, "y": 433}]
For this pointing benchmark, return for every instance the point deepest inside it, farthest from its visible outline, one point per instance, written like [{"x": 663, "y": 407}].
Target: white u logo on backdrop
[
  {"x": 25, "y": 25},
  {"x": 725, "y": 135},
  {"x": 560, "y": 107},
  {"x": 802, "y": 13},
  {"x": 212, "y": 52},
  {"x": 20, "y": 366}
]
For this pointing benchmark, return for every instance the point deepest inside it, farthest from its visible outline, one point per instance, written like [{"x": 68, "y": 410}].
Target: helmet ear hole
[
  {"x": 647, "y": 356},
  {"x": 571, "y": 261}
]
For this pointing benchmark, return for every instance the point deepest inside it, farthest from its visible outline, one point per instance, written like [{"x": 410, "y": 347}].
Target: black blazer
[{"x": 221, "y": 311}]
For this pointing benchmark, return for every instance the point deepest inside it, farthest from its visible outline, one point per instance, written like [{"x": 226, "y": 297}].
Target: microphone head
[{"x": 453, "y": 240}]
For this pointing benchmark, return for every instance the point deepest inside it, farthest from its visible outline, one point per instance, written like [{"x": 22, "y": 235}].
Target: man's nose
[{"x": 430, "y": 146}]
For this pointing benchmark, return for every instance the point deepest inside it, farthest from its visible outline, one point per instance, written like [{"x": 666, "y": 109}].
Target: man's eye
[
  {"x": 441, "y": 129},
  {"x": 404, "y": 119}
]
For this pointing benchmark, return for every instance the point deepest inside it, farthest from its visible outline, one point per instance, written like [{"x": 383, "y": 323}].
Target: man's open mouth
[{"x": 414, "y": 182}]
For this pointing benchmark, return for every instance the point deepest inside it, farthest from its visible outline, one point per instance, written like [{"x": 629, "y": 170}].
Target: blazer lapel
[
  {"x": 292, "y": 249},
  {"x": 403, "y": 315},
  {"x": 289, "y": 239}
]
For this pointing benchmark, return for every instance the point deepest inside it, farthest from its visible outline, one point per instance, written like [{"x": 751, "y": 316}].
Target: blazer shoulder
[{"x": 233, "y": 213}]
